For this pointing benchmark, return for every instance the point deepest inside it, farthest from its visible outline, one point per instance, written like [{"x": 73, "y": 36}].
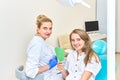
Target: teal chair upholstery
[
  {"x": 102, "y": 75},
  {"x": 100, "y": 47}
]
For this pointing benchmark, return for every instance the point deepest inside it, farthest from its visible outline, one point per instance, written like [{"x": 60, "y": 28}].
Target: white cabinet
[{"x": 97, "y": 36}]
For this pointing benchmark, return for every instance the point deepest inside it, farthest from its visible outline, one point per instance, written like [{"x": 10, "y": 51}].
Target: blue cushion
[
  {"x": 99, "y": 47},
  {"x": 102, "y": 75}
]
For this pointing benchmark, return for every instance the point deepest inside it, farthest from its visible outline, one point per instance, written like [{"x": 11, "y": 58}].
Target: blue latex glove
[{"x": 53, "y": 62}]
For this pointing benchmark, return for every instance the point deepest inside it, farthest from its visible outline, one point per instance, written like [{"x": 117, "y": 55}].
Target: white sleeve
[
  {"x": 67, "y": 60},
  {"x": 66, "y": 64},
  {"x": 33, "y": 55},
  {"x": 93, "y": 67}
]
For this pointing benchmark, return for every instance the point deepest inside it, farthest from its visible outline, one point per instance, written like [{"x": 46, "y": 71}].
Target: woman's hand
[{"x": 53, "y": 62}]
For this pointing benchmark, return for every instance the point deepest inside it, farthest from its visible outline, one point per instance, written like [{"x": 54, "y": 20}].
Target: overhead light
[{"x": 73, "y": 3}]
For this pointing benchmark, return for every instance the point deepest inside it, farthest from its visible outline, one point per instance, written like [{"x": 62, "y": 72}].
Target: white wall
[
  {"x": 102, "y": 17},
  {"x": 118, "y": 27},
  {"x": 111, "y": 24},
  {"x": 17, "y": 27},
  {"x": 101, "y": 12}
]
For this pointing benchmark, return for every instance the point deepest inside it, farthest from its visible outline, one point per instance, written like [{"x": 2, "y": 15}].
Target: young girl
[
  {"x": 41, "y": 59},
  {"x": 82, "y": 63}
]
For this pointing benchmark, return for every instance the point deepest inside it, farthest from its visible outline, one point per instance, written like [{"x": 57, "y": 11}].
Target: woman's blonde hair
[
  {"x": 42, "y": 18},
  {"x": 87, "y": 47}
]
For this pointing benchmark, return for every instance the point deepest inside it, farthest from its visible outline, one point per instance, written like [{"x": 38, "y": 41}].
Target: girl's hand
[
  {"x": 60, "y": 67},
  {"x": 62, "y": 70}
]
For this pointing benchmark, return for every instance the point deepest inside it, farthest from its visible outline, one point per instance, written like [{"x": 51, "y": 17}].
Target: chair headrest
[{"x": 99, "y": 47}]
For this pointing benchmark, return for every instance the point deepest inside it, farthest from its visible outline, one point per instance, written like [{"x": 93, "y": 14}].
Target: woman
[
  {"x": 82, "y": 63},
  {"x": 41, "y": 59}
]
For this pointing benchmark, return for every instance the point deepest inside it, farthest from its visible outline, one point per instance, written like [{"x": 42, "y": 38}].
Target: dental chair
[
  {"x": 102, "y": 75},
  {"x": 20, "y": 74},
  {"x": 100, "y": 47}
]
